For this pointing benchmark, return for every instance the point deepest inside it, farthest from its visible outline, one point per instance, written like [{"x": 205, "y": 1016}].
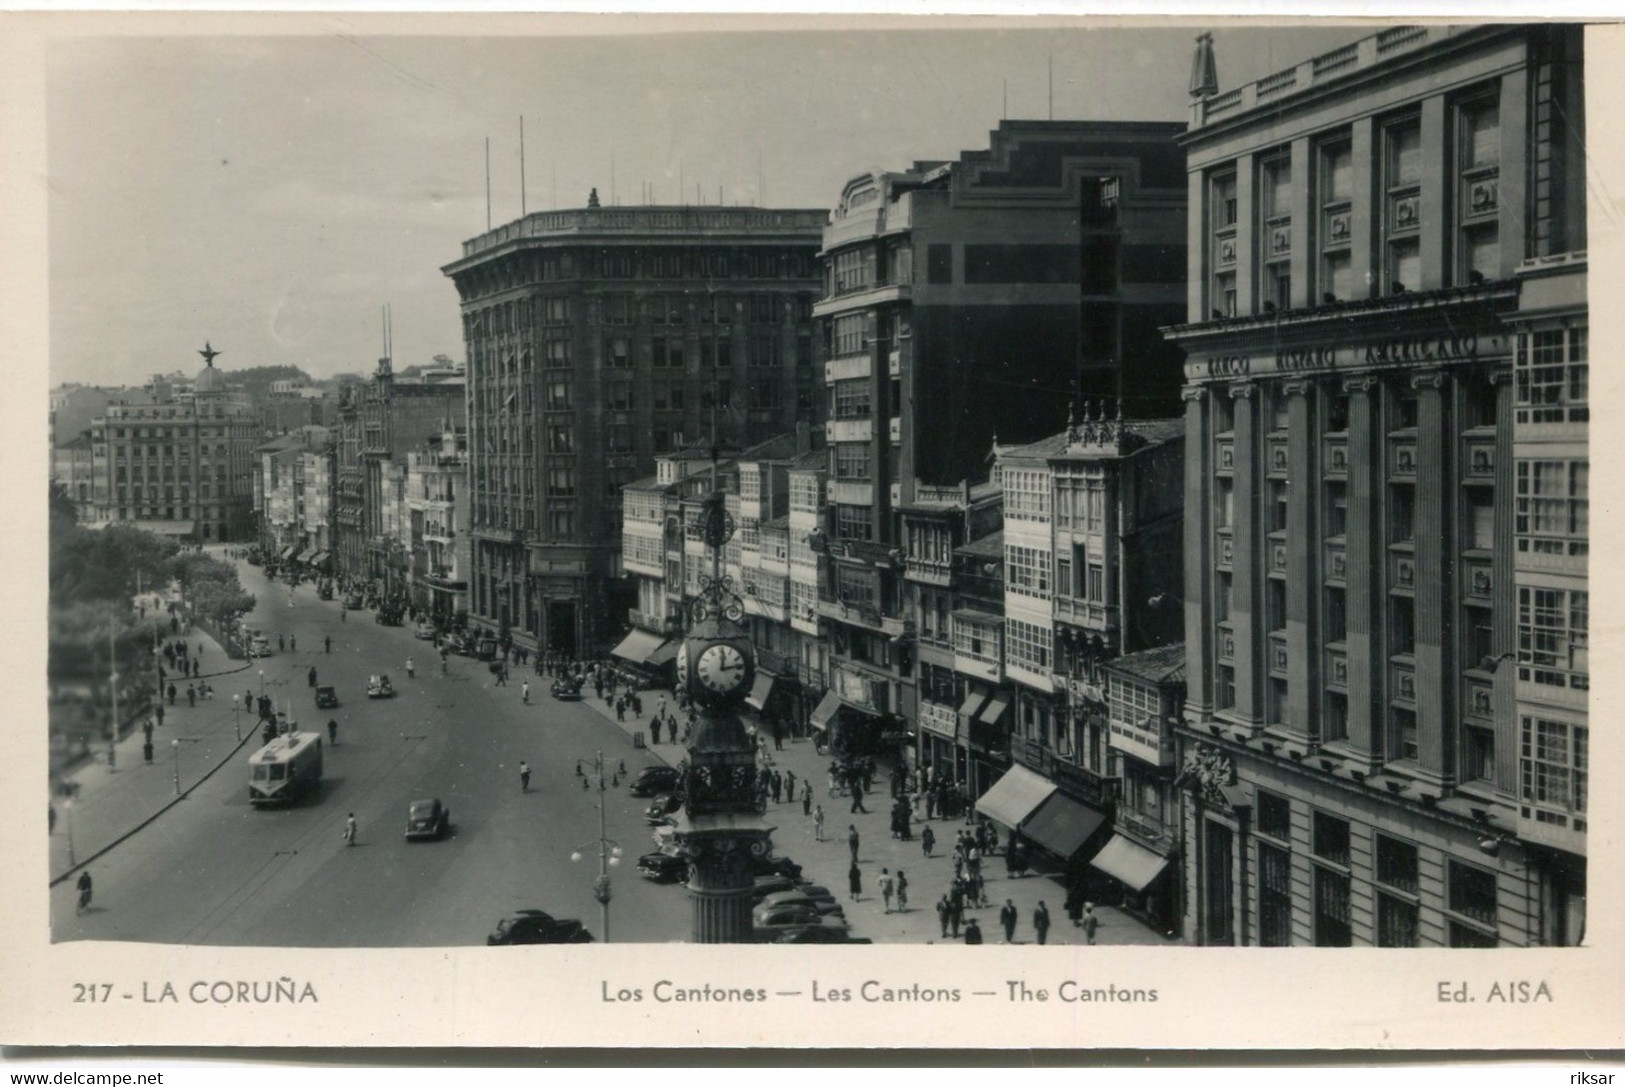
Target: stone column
[
  {"x": 1302, "y": 566},
  {"x": 1199, "y": 565},
  {"x": 1244, "y": 597},
  {"x": 1435, "y": 570},
  {"x": 1363, "y": 583},
  {"x": 719, "y": 876}
]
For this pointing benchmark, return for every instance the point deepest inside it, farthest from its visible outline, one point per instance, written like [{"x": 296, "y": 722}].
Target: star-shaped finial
[{"x": 209, "y": 353}]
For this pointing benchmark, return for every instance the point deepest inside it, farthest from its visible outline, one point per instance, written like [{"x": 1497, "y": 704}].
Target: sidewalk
[
  {"x": 827, "y": 862},
  {"x": 113, "y": 802}
]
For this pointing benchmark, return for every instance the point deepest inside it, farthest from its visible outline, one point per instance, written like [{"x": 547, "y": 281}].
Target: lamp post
[
  {"x": 175, "y": 747},
  {"x": 609, "y": 853},
  {"x": 237, "y": 717},
  {"x": 68, "y": 806}
]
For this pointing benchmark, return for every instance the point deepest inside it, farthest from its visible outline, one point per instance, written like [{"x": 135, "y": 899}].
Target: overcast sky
[{"x": 271, "y": 194}]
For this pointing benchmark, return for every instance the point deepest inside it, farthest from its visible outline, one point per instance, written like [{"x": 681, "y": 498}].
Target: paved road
[{"x": 214, "y": 870}]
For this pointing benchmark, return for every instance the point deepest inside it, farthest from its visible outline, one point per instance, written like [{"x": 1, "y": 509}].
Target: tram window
[{"x": 278, "y": 771}]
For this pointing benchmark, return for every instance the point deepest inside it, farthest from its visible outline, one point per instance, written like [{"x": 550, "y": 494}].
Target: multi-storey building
[
  {"x": 73, "y": 466},
  {"x": 349, "y": 488},
  {"x": 180, "y": 465},
  {"x": 975, "y": 298},
  {"x": 73, "y": 409},
  {"x": 599, "y": 338},
  {"x": 437, "y": 510},
  {"x": 1092, "y": 571},
  {"x": 1385, "y": 495},
  {"x": 292, "y": 494}
]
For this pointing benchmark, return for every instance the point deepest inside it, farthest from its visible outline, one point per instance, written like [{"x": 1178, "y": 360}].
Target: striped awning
[
  {"x": 1130, "y": 863},
  {"x": 827, "y": 708},
  {"x": 1015, "y": 796}
]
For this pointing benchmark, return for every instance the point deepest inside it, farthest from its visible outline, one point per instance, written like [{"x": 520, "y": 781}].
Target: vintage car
[
  {"x": 427, "y": 819},
  {"x": 326, "y": 698},
  {"x": 537, "y": 927},
  {"x": 380, "y": 687},
  {"x": 566, "y": 690},
  {"x": 652, "y": 780},
  {"x": 663, "y": 868},
  {"x": 423, "y": 630}
]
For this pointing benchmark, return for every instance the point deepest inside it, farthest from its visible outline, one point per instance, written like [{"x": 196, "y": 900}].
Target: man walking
[
  {"x": 524, "y": 777},
  {"x": 524, "y": 692},
  {"x": 327, "y": 644},
  {"x": 806, "y": 799},
  {"x": 790, "y": 786},
  {"x": 943, "y": 911},
  {"x": 411, "y": 668},
  {"x": 349, "y": 829},
  {"x": 1007, "y": 918},
  {"x": 818, "y": 823},
  {"x": 857, "y": 796},
  {"x": 928, "y": 839},
  {"x": 902, "y": 891},
  {"x": 1090, "y": 922},
  {"x": 1041, "y": 923},
  {"x": 852, "y": 840},
  {"x": 886, "y": 888}
]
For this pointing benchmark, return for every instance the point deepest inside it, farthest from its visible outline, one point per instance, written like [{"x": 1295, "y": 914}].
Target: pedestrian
[
  {"x": 854, "y": 879},
  {"x": 790, "y": 786},
  {"x": 818, "y": 823},
  {"x": 857, "y": 796},
  {"x": 311, "y": 677},
  {"x": 654, "y": 729},
  {"x": 293, "y": 643},
  {"x": 349, "y": 829},
  {"x": 191, "y": 696},
  {"x": 1090, "y": 922},
  {"x": 852, "y": 840},
  {"x": 956, "y": 914},
  {"x": 928, "y": 839},
  {"x": 943, "y": 912},
  {"x": 1007, "y": 918},
  {"x": 327, "y": 644},
  {"x": 1074, "y": 905},
  {"x": 1041, "y": 923},
  {"x": 159, "y": 713},
  {"x": 778, "y": 787},
  {"x": 620, "y": 709},
  {"x": 886, "y": 888},
  {"x": 524, "y": 777},
  {"x": 281, "y": 643},
  {"x": 778, "y": 733},
  {"x": 973, "y": 932},
  {"x": 171, "y": 694},
  {"x": 806, "y": 798},
  {"x": 411, "y": 668},
  {"x": 333, "y": 731},
  {"x": 902, "y": 891},
  {"x": 524, "y": 692},
  {"x": 84, "y": 885},
  {"x": 147, "y": 729}
]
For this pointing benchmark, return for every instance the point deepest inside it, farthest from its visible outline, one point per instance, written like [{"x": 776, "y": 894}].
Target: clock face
[
  {"x": 721, "y": 669},
  {"x": 682, "y": 662}
]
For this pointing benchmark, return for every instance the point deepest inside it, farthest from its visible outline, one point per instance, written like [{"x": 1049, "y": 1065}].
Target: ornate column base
[{"x": 720, "y": 849}]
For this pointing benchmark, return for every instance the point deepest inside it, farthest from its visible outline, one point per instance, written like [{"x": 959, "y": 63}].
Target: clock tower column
[{"x": 721, "y": 830}]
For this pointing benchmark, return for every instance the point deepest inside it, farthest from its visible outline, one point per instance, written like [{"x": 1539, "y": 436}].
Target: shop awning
[
  {"x": 319, "y": 559},
  {"x": 638, "y": 646},
  {"x": 303, "y": 556},
  {"x": 994, "y": 710},
  {"x": 1061, "y": 825},
  {"x": 286, "y": 551},
  {"x": 664, "y": 653},
  {"x": 761, "y": 691},
  {"x": 1129, "y": 863},
  {"x": 1015, "y": 796},
  {"x": 827, "y": 707},
  {"x": 968, "y": 707}
]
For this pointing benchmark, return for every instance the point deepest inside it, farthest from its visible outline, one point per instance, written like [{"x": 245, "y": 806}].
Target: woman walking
[{"x": 854, "y": 878}]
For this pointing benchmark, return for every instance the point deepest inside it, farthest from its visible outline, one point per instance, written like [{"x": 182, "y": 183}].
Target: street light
[
  {"x": 609, "y": 853},
  {"x": 236, "y": 716},
  {"x": 68, "y": 805},
  {"x": 175, "y": 746}
]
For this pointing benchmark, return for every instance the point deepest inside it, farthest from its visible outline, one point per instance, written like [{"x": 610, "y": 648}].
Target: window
[
  {"x": 1330, "y": 840},
  {"x": 618, "y": 352},
  {"x": 1471, "y": 892},
  {"x": 561, "y": 523},
  {"x": 1274, "y": 816},
  {"x": 1026, "y": 494},
  {"x": 1552, "y": 766},
  {"x": 617, "y": 309},
  {"x": 1402, "y": 217},
  {"x": 854, "y": 523},
  {"x": 558, "y": 396},
  {"x": 668, "y": 395},
  {"x": 1027, "y": 570},
  {"x": 854, "y": 270},
  {"x": 1397, "y": 865},
  {"x": 854, "y": 587},
  {"x": 1478, "y": 162},
  {"x": 1274, "y": 896},
  {"x": 1275, "y": 195},
  {"x": 618, "y": 396},
  {"x": 561, "y": 439},
  {"x": 1554, "y": 637},
  {"x": 1402, "y": 742},
  {"x": 1336, "y": 223},
  {"x": 851, "y": 334},
  {"x": 852, "y": 461},
  {"x": 1028, "y": 645},
  {"x": 1551, "y": 376},
  {"x": 764, "y": 395},
  {"x": 1222, "y": 220},
  {"x": 851, "y": 399},
  {"x": 555, "y": 311},
  {"x": 1332, "y": 928},
  {"x": 1553, "y": 506},
  {"x": 668, "y": 352},
  {"x": 561, "y": 481}
]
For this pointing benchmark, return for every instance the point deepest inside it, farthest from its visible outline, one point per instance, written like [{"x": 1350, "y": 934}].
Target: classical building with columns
[{"x": 1384, "y": 730}]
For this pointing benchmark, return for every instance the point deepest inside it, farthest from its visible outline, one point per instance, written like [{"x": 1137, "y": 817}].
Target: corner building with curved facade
[
  {"x": 1385, "y": 733},
  {"x": 598, "y": 339}
]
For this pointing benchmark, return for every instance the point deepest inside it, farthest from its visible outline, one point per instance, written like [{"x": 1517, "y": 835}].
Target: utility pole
[{"x": 609, "y": 853}]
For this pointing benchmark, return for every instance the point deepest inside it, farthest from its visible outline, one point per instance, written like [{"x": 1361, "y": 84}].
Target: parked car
[
  {"x": 652, "y": 780},
  {"x": 662, "y": 808},
  {"x": 537, "y": 927},
  {"x": 663, "y": 868},
  {"x": 326, "y": 698},
  {"x": 567, "y": 691},
  {"x": 825, "y": 905},
  {"x": 773, "y": 922},
  {"x": 775, "y": 866},
  {"x": 454, "y": 641},
  {"x": 821, "y": 934},
  {"x": 423, "y": 630},
  {"x": 380, "y": 687},
  {"x": 427, "y": 819},
  {"x": 354, "y": 601}
]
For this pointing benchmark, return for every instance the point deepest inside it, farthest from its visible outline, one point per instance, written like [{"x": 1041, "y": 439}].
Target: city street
[{"x": 211, "y": 869}]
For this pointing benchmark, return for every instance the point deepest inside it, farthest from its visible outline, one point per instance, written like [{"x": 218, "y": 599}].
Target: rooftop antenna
[
  {"x": 522, "y": 206},
  {"x": 487, "y": 183}
]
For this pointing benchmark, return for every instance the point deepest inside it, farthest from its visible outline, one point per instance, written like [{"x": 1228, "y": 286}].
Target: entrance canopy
[
  {"x": 1061, "y": 825},
  {"x": 638, "y": 646},
  {"x": 1130, "y": 863},
  {"x": 1015, "y": 796},
  {"x": 761, "y": 691},
  {"x": 827, "y": 707}
]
